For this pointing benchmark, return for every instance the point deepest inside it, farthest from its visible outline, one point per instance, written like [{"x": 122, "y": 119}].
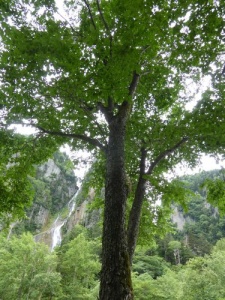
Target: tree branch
[
  {"x": 90, "y": 14},
  {"x": 106, "y": 27},
  {"x": 167, "y": 152},
  {"x": 135, "y": 212},
  {"x": 107, "y": 111},
  {"x": 88, "y": 110},
  {"x": 110, "y": 104},
  {"x": 134, "y": 83},
  {"x": 71, "y": 27},
  {"x": 102, "y": 16},
  {"x": 143, "y": 161},
  {"x": 84, "y": 138}
]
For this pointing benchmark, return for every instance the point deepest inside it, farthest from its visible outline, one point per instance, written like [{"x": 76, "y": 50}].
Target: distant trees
[
  {"x": 27, "y": 270},
  {"x": 202, "y": 278},
  {"x": 79, "y": 266}
]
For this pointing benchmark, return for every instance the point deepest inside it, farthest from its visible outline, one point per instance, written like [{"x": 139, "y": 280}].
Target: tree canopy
[{"x": 112, "y": 76}]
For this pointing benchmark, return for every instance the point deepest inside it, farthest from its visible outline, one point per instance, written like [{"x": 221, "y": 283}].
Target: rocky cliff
[{"x": 54, "y": 186}]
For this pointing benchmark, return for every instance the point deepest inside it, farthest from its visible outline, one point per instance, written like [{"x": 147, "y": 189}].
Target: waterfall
[
  {"x": 56, "y": 233},
  {"x": 58, "y": 224}
]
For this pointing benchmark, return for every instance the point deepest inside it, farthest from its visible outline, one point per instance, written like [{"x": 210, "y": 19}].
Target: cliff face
[
  {"x": 57, "y": 207},
  {"x": 54, "y": 186},
  {"x": 178, "y": 218}
]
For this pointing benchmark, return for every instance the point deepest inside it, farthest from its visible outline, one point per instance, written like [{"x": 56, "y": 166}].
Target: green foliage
[
  {"x": 216, "y": 193},
  {"x": 79, "y": 266},
  {"x": 202, "y": 278},
  {"x": 166, "y": 287},
  {"x": 203, "y": 226},
  {"x": 52, "y": 92},
  {"x": 48, "y": 195},
  {"x": 42, "y": 193},
  {"x": 18, "y": 155},
  {"x": 143, "y": 287},
  {"x": 27, "y": 270},
  {"x": 153, "y": 265},
  {"x": 155, "y": 220}
]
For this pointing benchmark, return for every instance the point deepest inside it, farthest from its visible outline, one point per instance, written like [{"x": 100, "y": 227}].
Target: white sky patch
[
  {"x": 194, "y": 91},
  {"x": 206, "y": 163},
  {"x": 84, "y": 159},
  {"x": 23, "y": 129}
]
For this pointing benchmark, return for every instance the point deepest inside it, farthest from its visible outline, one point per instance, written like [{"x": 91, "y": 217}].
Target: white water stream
[{"x": 56, "y": 229}]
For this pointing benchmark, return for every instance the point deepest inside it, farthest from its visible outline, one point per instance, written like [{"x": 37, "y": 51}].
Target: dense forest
[
  {"x": 185, "y": 263},
  {"x": 28, "y": 270}
]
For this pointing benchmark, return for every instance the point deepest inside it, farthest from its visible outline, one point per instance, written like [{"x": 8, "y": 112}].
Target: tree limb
[
  {"x": 90, "y": 14},
  {"x": 135, "y": 212},
  {"x": 84, "y": 138},
  {"x": 107, "y": 112},
  {"x": 167, "y": 152},
  {"x": 134, "y": 83},
  {"x": 106, "y": 27},
  {"x": 102, "y": 16},
  {"x": 71, "y": 27}
]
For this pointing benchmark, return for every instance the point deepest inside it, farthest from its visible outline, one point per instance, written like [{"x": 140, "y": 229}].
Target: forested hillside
[
  {"x": 53, "y": 185},
  {"x": 186, "y": 264},
  {"x": 198, "y": 225}
]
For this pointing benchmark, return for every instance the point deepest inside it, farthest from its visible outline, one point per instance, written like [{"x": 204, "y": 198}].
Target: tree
[
  {"x": 27, "y": 270},
  {"x": 110, "y": 77},
  {"x": 79, "y": 266}
]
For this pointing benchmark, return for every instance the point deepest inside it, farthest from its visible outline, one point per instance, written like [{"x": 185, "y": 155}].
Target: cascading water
[
  {"x": 56, "y": 233},
  {"x": 58, "y": 224}
]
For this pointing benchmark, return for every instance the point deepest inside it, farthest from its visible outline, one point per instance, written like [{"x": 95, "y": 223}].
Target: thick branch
[
  {"x": 102, "y": 16},
  {"x": 142, "y": 161},
  {"x": 90, "y": 14},
  {"x": 84, "y": 138},
  {"x": 107, "y": 111},
  {"x": 167, "y": 152},
  {"x": 110, "y": 104},
  {"x": 124, "y": 110},
  {"x": 135, "y": 213},
  {"x": 134, "y": 83}
]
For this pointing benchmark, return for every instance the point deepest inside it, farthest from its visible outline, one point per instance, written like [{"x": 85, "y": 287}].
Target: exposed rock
[
  {"x": 178, "y": 218},
  {"x": 55, "y": 184},
  {"x": 41, "y": 217},
  {"x": 78, "y": 216},
  {"x": 44, "y": 237},
  {"x": 50, "y": 169}
]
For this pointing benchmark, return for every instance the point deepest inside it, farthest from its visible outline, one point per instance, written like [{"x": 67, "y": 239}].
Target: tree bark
[
  {"x": 115, "y": 275},
  {"x": 135, "y": 216},
  {"x": 135, "y": 213}
]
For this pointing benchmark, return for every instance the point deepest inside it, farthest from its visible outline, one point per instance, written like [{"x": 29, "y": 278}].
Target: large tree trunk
[{"x": 115, "y": 275}]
